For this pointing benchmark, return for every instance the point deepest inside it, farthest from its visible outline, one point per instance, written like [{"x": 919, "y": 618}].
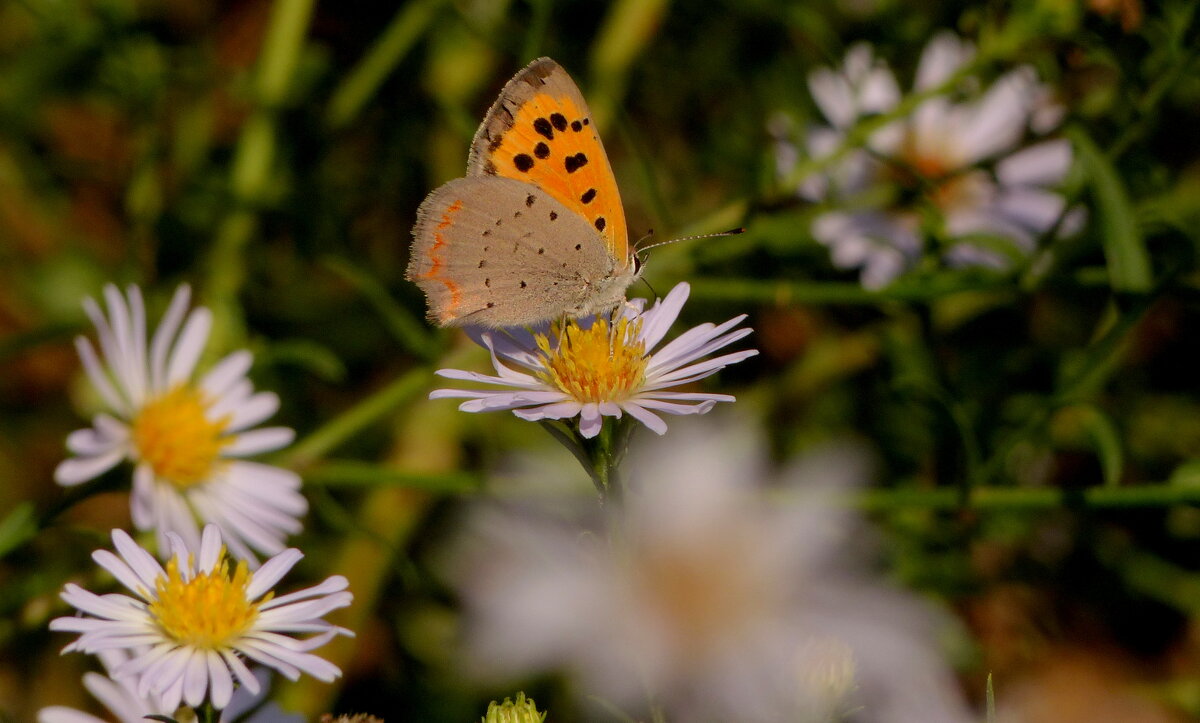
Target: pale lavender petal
[
  {"x": 652, "y": 421},
  {"x": 195, "y": 678},
  {"x": 222, "y": 681},
  {"x": 258, "y": 441},
  {"x": 590, "y": 420},
  {"x": 165, "y": 335},
  {"x": 560, "y": 410},
  {"x": 189, "y": 346},
  {"x": 657, "y": 321},
  {"x": 226, "y": 373},
  {"x": 255, "y": 410},
  {"x": 1043, "y": 164},
  {"x": 942, "y": 57},
  {"x": 81, "y": 469},
  {"x": 99, "y": 378},
  {"x": 271, "y": 572},
  {"x": 514, "y": 379}
]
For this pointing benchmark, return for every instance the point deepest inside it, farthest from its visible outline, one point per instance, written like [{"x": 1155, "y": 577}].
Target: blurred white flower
[
  {"x": 121, "y": 698},
  {"x": 587, "y": 369},
  {"x": 957, "y": 158},
  {"x": 186, "y": 437},
  {"x": 199, "y": 618},
  {"x": 704, "y": 597}
]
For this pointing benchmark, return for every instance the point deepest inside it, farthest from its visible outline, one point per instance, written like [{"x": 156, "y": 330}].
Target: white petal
[
  {"x": 646, "y": 417},
  {"x": 998, "y": 121},
  {"x": 60, "y": 714},
  {"x": 189, "y": 346},
  {"x": 243, "y": 674},
  {"x": 833, "y": 96},
  {"x": 254, "y": 411},
  {"x": 89, "y": 442},
  {"x": 331, "y": 584},
  {"x": 99, "y": 377},
  {"x": 140, "y": 562},
  {"x": 657, "y": 321},
  {"x": 81, "y": 469},
  {"x": 1042, "y": 164},
  {"x": 271, "y": 572},
  {"x": 195, "y": 678},
  {"x": 137, "y": 318},
  {"x": 222, "y": 681},
  {"x": 165, "y": 335},
  {"x": 942, "y": 57},
  {"x": 123, "y": 361},
  {"x": 210, "y": 548},
  {"x": 558, "y": 410},
  {"x": 258, "y": 441},
  {"x": 590, "y": 421},
  {"x": 226, "y": 372},
  {"x": 1031, "y": 208}
]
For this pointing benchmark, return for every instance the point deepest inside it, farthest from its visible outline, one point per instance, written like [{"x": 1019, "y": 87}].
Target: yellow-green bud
[{"x": 522, "y": 710}]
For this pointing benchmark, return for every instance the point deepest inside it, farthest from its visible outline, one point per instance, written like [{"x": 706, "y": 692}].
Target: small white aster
[
  {"x": 193, "y": 621},
  {"x": 589, "y": 369},
  {"x": 961, "y": 159},
  {"x": 121, "y": 699},
  {"x": 187, "y": 437}
]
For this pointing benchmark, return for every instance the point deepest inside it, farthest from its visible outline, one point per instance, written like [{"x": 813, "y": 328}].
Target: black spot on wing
[
  {"x": 559, "y": 121},
  {"x": 529, "y": 200},
  {"x": 523, "y": 162},
  {"x": 542, "y": 127},
  {"x": 553, "y": 216},
  {"x": 600, "y": 223},
  {"x": 576, "y": 126},
  {"x": 575, "y": 162},
  {"x": 541, "y": 150},
  {"x": 588, "y": 195}
]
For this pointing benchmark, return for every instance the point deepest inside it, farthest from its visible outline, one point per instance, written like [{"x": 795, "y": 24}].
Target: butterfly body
[{"x": 536, "y": 229}]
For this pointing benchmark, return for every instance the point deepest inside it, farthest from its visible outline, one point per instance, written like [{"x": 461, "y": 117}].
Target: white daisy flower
[
  {"x": 199, "y": 618},
  {"x": 704, "y": 597},
  {"x": 187, "y": 437},
  {"x": 588, "y": 369},
  {"x": 960, "y": 159},
  {"x": 121, "y": 699}
]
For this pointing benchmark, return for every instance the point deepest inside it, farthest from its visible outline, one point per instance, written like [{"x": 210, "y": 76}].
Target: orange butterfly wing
[{"x": 540, "y": 131}]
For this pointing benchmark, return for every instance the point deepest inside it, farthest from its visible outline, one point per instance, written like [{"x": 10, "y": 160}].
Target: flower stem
[
  {"x": 207, "y": 713},
  {"x": 601, "y": 455}
]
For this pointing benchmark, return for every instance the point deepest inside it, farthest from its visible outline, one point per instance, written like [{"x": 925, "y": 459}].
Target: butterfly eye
[{"x": 637, "y": 265}]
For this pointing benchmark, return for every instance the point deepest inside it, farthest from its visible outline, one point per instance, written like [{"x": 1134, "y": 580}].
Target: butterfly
[{"x": 536, "y": 230}]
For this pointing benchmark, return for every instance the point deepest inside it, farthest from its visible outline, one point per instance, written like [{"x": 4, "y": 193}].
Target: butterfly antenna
[
  {"x": 649, "y": 234},
  {"x": 730, "y": 232}
]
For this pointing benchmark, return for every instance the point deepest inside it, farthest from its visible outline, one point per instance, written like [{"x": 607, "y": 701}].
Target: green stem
[
  {"x": 354, "y": 420},
  {"x": 360, "y": 84},
  {"x": 1025, "y": 498},
  {"x": 254, "y": 156},
  {"x": 207, "y": 713},
  {"x": 601, "y": 455}
]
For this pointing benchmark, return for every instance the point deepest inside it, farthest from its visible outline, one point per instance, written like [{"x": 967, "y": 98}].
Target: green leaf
[
  {"x": 18, "y": 528},
  {"x": 346, "y": 473},
  {"x": 1186, "y": 474},
  {"x": 1128, "y": 263},
  {"x": 1106, "y": 441}
]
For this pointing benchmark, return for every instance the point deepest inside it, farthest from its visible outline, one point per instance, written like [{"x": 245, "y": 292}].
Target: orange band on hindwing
[{"x": 435, "y": 260}]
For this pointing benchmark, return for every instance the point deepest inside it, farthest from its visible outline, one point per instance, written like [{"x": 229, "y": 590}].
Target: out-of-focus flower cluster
[
  {"x": 952, "y": 179},
  {"x": 706, "y": 594}
]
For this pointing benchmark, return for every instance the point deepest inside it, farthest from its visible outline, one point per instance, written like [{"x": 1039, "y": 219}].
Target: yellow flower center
[
  {"x": 600, "y": 364},
  {"x": 209, "y": 611},
  {"x": 173, "y": 435}
]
